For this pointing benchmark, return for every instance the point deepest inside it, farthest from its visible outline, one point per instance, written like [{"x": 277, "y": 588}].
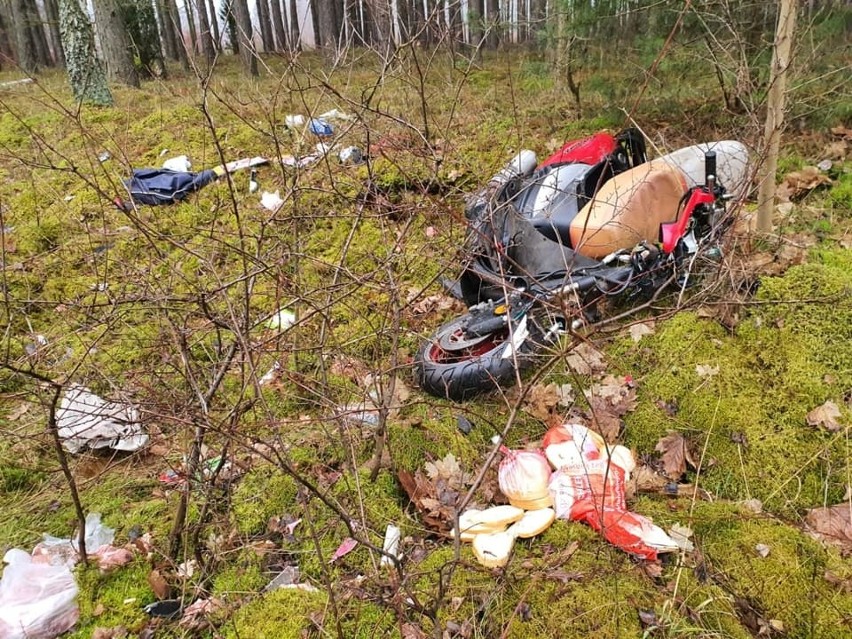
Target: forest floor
[{"x": 740, "y": 392}]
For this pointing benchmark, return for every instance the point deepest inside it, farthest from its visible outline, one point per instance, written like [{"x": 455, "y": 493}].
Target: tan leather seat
[{"x": 628, "y": 208}]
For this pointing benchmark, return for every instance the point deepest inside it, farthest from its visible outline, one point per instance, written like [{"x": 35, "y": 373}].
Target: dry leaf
[
  {"x": 351, "y": 368},
  {"x": 763, "y": 550},
  {"x": 832, "y": 524},
  {"x": 844, "y": 585},
  {"x": 842, "y": 132},
  {"x": 541, "y": 400},
  {"x": 437, "y": 303},
  {"x": 798, "y": 183},
  {"x": 605, "y": 421},
  {"x": 449, "y": 470},
  {"x": 752, "y": 505},
  {"x": 675, "y": 454},
  {"x": 158, "y": 585},
  {"x": 413, "y": 631},
  {"x": 825, "y": 416},
  {"x": 585, "y": 359},
  {"x": 119, "y": 632},
  {"x": 638, "y": 331}
]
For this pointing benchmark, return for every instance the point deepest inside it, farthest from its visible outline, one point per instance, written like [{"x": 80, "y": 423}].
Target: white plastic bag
[
  {"x": 37, "y": 600},
  {"x": 85, "y": 420},
  {"x": 63, "y": 552},
  {"x": 180, "y": 163}
]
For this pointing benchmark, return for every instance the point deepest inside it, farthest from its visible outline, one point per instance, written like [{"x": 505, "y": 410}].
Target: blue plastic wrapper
[{"x": 320, "y": 128}]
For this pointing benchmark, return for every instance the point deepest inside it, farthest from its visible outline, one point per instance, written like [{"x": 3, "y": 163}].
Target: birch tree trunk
[
  {"x": 85, "y": 72},
  {"x": 775, "y": 112}
]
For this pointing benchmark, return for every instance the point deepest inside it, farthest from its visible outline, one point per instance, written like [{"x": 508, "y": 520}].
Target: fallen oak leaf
[
  {"x": 158, "y": 585},
  {"x": 675, "y": 454},
  {"x": 832, "y": 524},
  {"x": 640, "y": 330},
  {"x": 825, "y": 416}
]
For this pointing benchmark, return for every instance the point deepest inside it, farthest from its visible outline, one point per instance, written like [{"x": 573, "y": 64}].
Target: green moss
[
  {"x": 282, "y": 614},
  {"x": 243, "y": 576},
  {"x": 262, "y": 493},
  {"x": 118, "y": 596}
]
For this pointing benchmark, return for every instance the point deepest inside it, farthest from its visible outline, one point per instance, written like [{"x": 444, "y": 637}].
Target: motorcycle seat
[{"x": 629, "y": 208}]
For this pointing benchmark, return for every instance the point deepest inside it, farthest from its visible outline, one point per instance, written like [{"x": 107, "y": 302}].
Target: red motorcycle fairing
[{"x": 590, "y": 150}]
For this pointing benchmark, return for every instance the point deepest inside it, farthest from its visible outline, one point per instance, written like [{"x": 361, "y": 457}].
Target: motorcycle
[{"x": 548, "y": 243}]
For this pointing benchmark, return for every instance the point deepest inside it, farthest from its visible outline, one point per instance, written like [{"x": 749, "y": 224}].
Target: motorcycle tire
[{"x": 463, "y": 374}]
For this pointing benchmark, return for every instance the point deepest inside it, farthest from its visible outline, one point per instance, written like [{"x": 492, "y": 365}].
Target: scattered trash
[
  {"x": 299, "y": 163},
  {"x": 104, "y": 156},
  {"x": 288, "y": 576},
  {"x": 347, "y": 546},
  {"x": 36, "y": 599},
  {"x": 271, "y": 201},
  {"x": 163, "y": 186},
  {"x": 350, "y": 155},
  {"x": 238, "y": 165},
  {"x": 294, "y": 121},
  {"x": 85, "y": 420},
  {"x": 762, "y": 550},
  {"x": 281, "y": 320},
  {"x": 825, "y": 165},
  {"x": 336, "y": 114},
  {"x": 365, "y": 413},
  {"x": 464, "y": 424},
  {"x": 523, "y": 477},
  {"x": 168, "y": 608},
  {"x": 271, "y": 375},
  {"x": 64, "y": 551},
  {"x": 253, "y": 185},
  {"x": 391, "y": 545},
  {"x": 320, "y": 128},
  {"x": 682, "y": 535},
  {"x": 180, "y": 164},
  {"x": 589, "y": 486}
]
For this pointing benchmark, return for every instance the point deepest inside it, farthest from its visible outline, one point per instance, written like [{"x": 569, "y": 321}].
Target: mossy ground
[{"x": 150, "y": 302}]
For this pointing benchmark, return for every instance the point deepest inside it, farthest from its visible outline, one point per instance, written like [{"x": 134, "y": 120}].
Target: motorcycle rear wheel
[{"x": 466, "y": 371}]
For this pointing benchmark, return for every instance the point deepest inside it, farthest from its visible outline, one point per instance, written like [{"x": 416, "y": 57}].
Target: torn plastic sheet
[
  {"x": 37, "y": 600},
  {"x": 85, "y": 420}
]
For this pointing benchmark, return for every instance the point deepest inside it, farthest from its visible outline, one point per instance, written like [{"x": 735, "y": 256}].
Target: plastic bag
[
  {"x": 85, "y": 420},
  {"x": 37, "y": 600},
  {"x": 589, "y": 486},
  {"x": 57, "y": 551}
]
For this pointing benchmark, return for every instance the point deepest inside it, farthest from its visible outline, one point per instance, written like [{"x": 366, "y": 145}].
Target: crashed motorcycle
[{"x": 548, "y": 243}]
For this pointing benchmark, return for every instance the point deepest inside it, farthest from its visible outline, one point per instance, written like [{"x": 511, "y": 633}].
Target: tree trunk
[
  {"x": 173, "y": 16},
  {"x": 327, "y": 24},
  {"x": 278, "y": 25},
  {"x": 265, "y": 24},
  {"x": 37, "y": 35},
  {"x": 295, "y": 29},
  {"x": 24, "y": 50},
  {"x": 231, "y": 25},
  {"x": 167, "y": 30},
  {"x": 775, "y": 112},
  {"x": 538, "y": 19},
  {"x": 115, "y": 43},
  {"x": 204, "y": 34},
  {"x": 382, "y": 22},
  {"x": 52, "y": 11},
  {"x": 190, "y": 21},
  {"x": 248, "y": 55},
  {"x": 492, "y": 21},
  {"x": 214, "y": 25},
  {"x": 85, "y": 72},
  {"x": 6, "y": 51}
]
